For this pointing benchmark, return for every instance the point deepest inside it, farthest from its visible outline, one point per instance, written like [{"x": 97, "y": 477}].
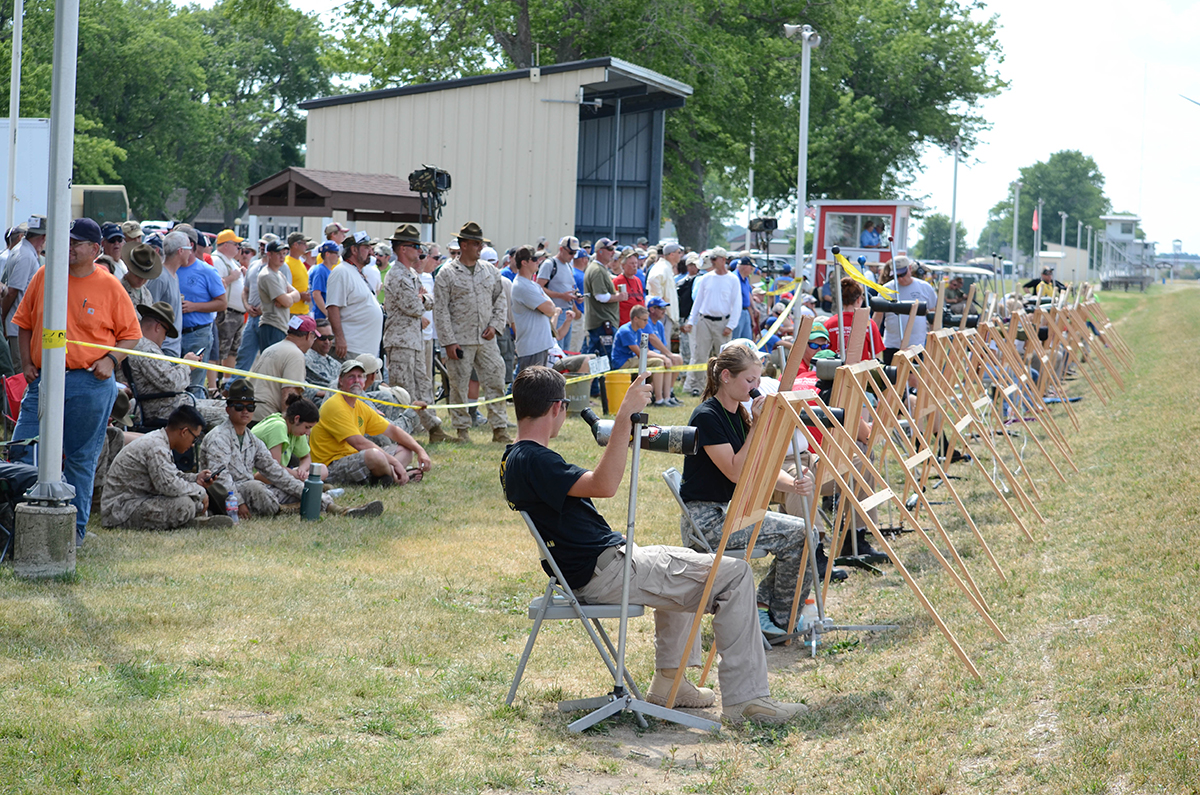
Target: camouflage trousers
[
  {"x": 161, "y": 513},
  {"x": 406, "y": 368},
  {"x": 485, "y": 358},
  {"x": 781, "y": 535},
  {"x": 114, "y": 440}
]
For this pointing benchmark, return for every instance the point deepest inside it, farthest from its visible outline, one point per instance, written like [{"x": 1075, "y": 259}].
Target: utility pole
[
  {"x": 1078, "y": 243},
  {"x": 954, "y": 204},
  {"x": 1062, "y": 243},
  {"x": 1016, "y": 225}
]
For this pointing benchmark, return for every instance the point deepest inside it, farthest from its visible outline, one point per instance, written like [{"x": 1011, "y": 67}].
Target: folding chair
[
  {"x": 141, "y": 424},
  {"x": 13, "y": 392},
  {"x": 690, "y": 534},
  {"x": 15, "y": 480},
  {"x": 559, "y": 603}
]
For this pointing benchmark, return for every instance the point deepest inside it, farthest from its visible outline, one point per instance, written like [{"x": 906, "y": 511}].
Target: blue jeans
[
  {"x": 268, "y": 336},
  {"x": 565, "y": 342},
  {"x": 198, "y": 340},
  {"x": 744, "y": 329},
  {"x": 87, "y": 402},
  {"x": 249, "y": 347}
]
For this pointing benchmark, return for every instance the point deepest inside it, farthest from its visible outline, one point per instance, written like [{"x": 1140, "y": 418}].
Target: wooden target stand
[
  {"x": 770, "y": 438},
  {"x": 1020, "y": 328},
  {"x": 1093, "y": 311},
  {"x": 944, "y": 413}
]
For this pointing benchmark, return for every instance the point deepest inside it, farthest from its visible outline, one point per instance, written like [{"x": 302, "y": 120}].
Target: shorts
[{"x": 229, "y": 329}]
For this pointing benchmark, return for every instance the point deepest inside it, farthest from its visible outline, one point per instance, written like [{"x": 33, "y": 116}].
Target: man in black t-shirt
[{"x": 558, "y": 498}]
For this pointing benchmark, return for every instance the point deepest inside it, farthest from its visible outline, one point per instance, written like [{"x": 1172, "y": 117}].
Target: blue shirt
[
  {"x": 625, "y": 337},
  {"x": 657, "y": 330},
  {"x": 746, "y": 287},
  {"x": 317, "y": 279},
  {"x": 508, "y": 273},
  {"x": 199, "y": 283},
  {"x": 869, "y": 239},
  {"x": 578, "y": 287}
]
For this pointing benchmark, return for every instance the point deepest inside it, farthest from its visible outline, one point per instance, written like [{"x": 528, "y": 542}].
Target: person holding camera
[
  {"x": 558, "y": 498},
  {"x": 556, "y": 276},
  {"x": 722, "y": 427}
]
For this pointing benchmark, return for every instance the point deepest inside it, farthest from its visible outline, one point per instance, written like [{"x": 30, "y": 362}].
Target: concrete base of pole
[{"x": 44, "y": 542}]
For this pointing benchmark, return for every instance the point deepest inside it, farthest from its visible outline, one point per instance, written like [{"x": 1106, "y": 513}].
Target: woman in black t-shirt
[{"x": 709, "y": 477}]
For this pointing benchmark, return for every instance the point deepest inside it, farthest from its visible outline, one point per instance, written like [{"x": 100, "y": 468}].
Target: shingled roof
[{"x": 311, "y": 192}]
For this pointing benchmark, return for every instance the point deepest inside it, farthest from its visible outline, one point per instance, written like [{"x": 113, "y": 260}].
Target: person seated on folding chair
[
  {"x": 709, "y": 477},
  {"x": 149, "y": 376},
  {"x": 558, "y": 498},
  {"x": 145, "y": 491}
]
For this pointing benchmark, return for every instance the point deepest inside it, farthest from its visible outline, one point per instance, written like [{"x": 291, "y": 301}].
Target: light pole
[
  {"x": 954, "y": 204},
  {"x": 1037, "y": 238},
  {"x": 1062, "y": 237},
  {"x": 1016, "y": 222},
  {"x": 1079, "y": 246},
  {"x": 1089, "y": 251},
  {"x": 809, "y": 39}
]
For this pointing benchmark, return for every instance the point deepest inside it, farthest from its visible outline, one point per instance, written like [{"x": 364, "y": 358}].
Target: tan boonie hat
[
  {"x": 406, "y": 233},
  {"x": 142, "y": 260},
  {"x": 471, "y": 231},
  {"x": 131, "y": 230},
  {"x": 162, "y": 312}
]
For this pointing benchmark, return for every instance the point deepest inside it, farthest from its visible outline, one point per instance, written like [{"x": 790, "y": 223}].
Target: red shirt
[
  {"x": 872, "y": 337},
  {"x": 635, "y": 291}
]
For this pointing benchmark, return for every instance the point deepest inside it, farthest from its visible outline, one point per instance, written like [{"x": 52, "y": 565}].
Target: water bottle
[
  {"x": 808, "y": 616},
  {"x": 335, "y": 493},
  {"x": 310, "y": 498},
  {"x": 231, "y": 506}
]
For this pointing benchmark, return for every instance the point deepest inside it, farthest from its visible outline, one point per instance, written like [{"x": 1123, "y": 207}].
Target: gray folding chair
[
  {"x": 690, "y": 534},
  {"x": 558, "y": 603}
]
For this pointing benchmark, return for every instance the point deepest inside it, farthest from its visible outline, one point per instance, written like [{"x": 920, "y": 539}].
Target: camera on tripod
[{"x": 678, "y": 439}]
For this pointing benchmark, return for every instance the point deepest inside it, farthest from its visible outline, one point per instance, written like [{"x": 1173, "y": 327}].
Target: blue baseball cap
[
  {"x": 86, "y": 229},
  {"x": 329, "y": 247},
  {"x": 582, "y": 254},
  {"x": 656, "y": 301},
  {"x": 110, "y": 230}
]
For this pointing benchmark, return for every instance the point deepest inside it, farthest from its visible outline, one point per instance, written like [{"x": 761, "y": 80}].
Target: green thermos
[{"x": 310, "y": 499}]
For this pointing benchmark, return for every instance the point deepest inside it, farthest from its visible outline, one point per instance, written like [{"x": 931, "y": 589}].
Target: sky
[{"x": 1101, "y": 76}]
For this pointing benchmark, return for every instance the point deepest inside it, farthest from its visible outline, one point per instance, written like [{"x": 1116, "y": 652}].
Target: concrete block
[{"x": 44, "y": 542}]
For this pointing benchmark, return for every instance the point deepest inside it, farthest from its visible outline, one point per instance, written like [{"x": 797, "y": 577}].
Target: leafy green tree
[
  {"x": 935, "y": 238},
  {"x": 890, "y": 79},
  {"x": 1069, "y": 181},
  {"x": 176, "y": 99}
]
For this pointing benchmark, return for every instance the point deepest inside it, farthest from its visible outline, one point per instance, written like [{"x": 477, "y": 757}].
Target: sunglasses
[
  {"x": 564, "y": 401},
  {"x": 818, "y": 346},
  {"x": 241, "y": 406},
  {"x": 326, "y": 337}
]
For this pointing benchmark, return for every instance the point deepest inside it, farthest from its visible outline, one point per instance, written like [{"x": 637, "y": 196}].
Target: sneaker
[
  {"x": 437, "y": 434},
  {"x": 661, "y": 403},
  {"x": 695, "y": 393},
  {"x": 464, "y": 434},
  {"x": 210, "y": 522},
  {"x": 767, "y": 625},
  {"x": 373, "y": 508},
  {"x": 688, "y": 697},
  {"x": 674, "y": 401},
  {"x": 500, "y": 436},
  {"x": 763, "y": 709},
  {"x": 839, "y": 575}
]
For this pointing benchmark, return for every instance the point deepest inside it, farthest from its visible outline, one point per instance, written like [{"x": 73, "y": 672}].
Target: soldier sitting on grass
[
  {"x": 233, "y": 453},
  {"x": 144, "y": 490}
]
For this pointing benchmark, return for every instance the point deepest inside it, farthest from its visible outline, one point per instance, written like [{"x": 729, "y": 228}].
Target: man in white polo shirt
[{"x": 716, "y": 310}]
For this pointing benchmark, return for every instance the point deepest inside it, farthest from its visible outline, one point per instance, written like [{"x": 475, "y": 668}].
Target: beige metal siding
[{"x": 512, "y": 157}]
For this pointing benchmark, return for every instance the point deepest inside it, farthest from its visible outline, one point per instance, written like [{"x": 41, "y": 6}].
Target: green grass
[{"x": 374, "y": 657}]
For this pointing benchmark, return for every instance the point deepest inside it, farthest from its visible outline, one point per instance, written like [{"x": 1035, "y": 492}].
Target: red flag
[{"x": 1035, "y": 218}]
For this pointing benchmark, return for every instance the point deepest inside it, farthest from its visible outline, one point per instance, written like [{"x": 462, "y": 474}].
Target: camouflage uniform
[
  {"x": 139, "y": 295},
  {"x": 781, "y": 535},
  {"x": 241, "y": 457},
  {"x": 404, "y": 304},
  {"x": 322, "y": 370},
  {"x": 465, "y": 303},
  {"x": 151, "y": 376},
  {"x": 144, "y": 490}
]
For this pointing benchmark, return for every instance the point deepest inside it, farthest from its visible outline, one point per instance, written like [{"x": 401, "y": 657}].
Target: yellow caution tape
[
  {"x": 53, "y": 338},
  {"x": 857, "y": 275}
]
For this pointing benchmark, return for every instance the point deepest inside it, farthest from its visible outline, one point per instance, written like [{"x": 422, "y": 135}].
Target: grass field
[{"x": 374, "y": 657}]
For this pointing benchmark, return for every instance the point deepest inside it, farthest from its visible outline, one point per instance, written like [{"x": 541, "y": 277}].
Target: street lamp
[
  {"x": 809, "y": 39},
  {"x": 1016, "y": 186},
  {"x": 1078, "y": 244},
  {"x": 954, "y": 204}
]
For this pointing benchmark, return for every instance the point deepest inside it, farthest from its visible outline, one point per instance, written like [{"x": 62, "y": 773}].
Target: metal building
[
  {"x": 1125, "y": 259},
  {"x": 574, "y": 148}
]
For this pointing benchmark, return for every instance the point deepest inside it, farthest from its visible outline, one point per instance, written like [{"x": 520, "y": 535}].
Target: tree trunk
[
  {"x": 518, "y": 45},
  {"x": 692, "y": 216}
]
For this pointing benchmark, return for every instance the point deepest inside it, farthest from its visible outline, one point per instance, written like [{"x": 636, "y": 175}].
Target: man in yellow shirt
[
  {"x": 297, "y": 245},
  {"x": 339, "y": 440}
]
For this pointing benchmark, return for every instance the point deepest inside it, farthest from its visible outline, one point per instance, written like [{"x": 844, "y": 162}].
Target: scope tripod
[{"x": 620, "y": 699}]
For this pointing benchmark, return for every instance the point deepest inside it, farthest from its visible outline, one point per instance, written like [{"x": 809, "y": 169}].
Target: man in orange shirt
[{"x": 98, "y": 311}]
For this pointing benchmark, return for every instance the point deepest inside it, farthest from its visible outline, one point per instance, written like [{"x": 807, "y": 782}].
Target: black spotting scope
[
  {"x": 884, "y": 306},
  {"x": 678, "y": 439}
]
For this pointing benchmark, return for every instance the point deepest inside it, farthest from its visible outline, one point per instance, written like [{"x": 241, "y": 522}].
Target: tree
[
  {"x": 1068, "y": 181},
  {"x": 891, "y": 78},
  {"x": 172, "y": 99},
  {"x": 935, "y": 238}
]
